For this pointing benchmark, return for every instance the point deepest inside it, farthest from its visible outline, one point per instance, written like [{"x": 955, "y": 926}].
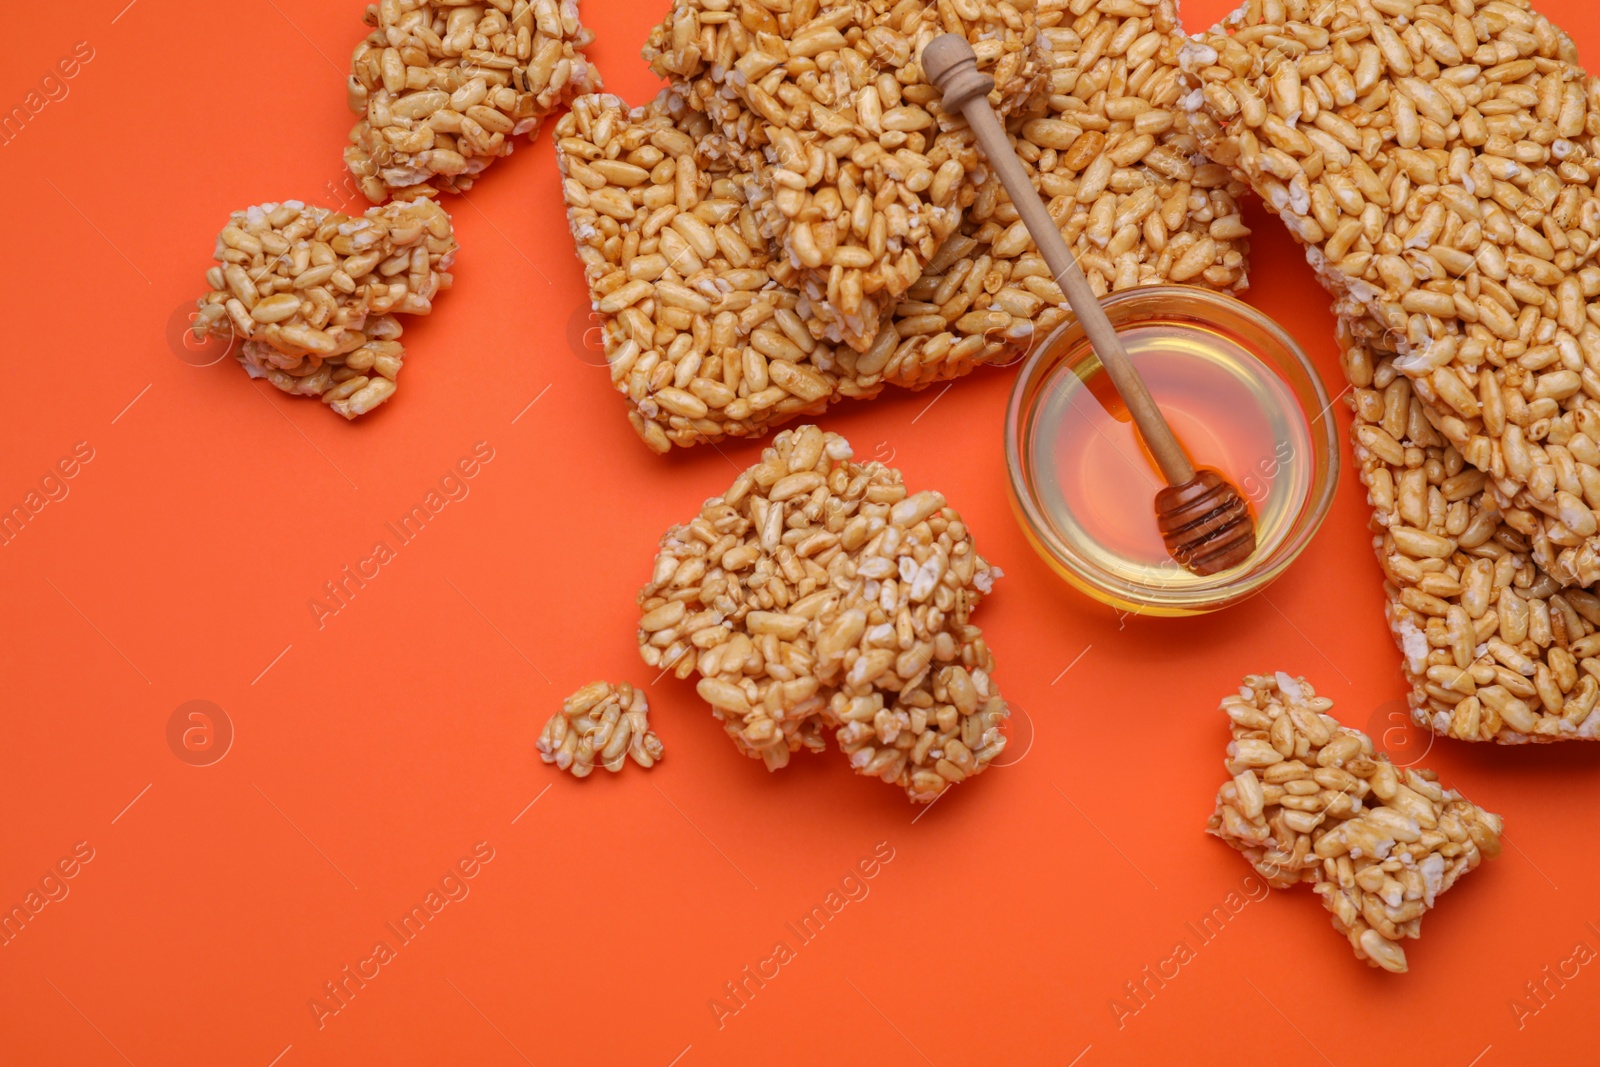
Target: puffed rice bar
[
  {"x": 1310, "y": 801},
  {"x": 701, "y": 326},
  {"x": 818, "y": 594},
  {"x": 310, "y": 295},
  {"x": 1109, "y": 150},
  {"x": 1439, "y": 162},
  {"x": 862, "y": 176},
  {"x": 700, "y": 333},
  {"x": 444, "y": 87},
  {"x": 1493, "y": 647},
  {"x": 602, "y": 723},
  {"x": 1112, "y": 153}
]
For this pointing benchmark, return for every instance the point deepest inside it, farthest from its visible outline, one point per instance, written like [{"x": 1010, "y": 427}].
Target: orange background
[{"x": 373, "y": 754}]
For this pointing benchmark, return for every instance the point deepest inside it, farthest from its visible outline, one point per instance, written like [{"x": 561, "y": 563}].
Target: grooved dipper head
[{"x": 1206, "y": 524}]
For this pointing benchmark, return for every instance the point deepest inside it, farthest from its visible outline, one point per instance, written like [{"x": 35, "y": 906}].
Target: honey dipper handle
[{"x": 949, "y": 64}]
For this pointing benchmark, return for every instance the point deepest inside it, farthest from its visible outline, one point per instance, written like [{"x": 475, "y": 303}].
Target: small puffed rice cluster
[
  {"x": 1309, "y": 801},
  {"x": 817, "y": 594},
  {"x": 444, "y": 88},
  {"x": 309, "y": 295},
  {"x": 602, "y": 723}
]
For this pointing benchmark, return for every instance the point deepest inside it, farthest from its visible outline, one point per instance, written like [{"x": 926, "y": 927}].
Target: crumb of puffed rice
[
  {"x": 817, "y": 594},
  {"x": 602, "y": 723},
  {"x": 1309, "y": 801}
]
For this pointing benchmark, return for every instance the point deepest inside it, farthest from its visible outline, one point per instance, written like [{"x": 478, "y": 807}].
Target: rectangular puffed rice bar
[
  {"x": 1493, "y": 647},
  {"x": 444, "y": 87},
  {"x": 699, "y": 332},
  {"x": 308, "y": 296},
  {"x": 1439, "y": 161},
  {"x": 1309, "y": 801}
]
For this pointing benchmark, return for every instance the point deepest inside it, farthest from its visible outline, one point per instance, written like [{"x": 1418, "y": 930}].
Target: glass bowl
[{"x": 1242, "y": 398}]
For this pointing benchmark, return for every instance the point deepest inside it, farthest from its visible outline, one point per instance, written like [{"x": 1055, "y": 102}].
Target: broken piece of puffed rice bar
[
  {"x": 1311, "y": 801},
  {"x": 444, "y": 88},
  {"x": 818, "y": 594},
  {"x": 600, "y": 724},
  {"x": 310, "y": 295}
]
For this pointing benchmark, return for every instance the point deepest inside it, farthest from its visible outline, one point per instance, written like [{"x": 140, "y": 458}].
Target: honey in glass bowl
[{"x": 1238, "y": 394}]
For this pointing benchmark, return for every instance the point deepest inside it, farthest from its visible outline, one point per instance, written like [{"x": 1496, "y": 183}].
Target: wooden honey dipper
[{"x": 1204, "y": 520}]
